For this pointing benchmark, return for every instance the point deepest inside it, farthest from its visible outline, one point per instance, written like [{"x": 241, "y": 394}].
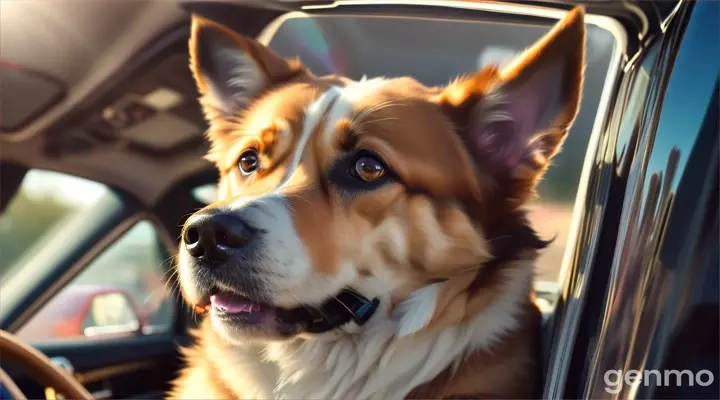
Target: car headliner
[{"x": 83, "y": 43}]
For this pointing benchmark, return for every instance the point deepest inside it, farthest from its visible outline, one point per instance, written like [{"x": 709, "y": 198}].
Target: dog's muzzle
[{"x": 215, "y": 239}]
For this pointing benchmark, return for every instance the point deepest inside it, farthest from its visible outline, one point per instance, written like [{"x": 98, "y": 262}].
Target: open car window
[{"x": 46, "y": 205}]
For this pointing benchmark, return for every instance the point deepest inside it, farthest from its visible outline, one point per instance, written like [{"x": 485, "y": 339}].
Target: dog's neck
[{"x": 374, "y": 364}]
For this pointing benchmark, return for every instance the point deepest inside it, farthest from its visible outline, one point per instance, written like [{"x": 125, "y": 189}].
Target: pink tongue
[{"x": 233, "y": 304}]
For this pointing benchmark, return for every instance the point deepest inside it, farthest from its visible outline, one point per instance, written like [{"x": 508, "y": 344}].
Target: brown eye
[
  {"x": 369, "y": 169},
  {"x": 248, "y": 162}
]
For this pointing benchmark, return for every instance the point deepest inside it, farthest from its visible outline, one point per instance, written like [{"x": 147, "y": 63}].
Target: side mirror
[{"x": 111, "y": 314}]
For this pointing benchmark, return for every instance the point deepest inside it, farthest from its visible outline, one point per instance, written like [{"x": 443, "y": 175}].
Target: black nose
[{"x": 211, "y": 237}]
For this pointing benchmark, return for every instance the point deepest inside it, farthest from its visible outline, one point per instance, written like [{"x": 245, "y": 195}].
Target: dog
[{"x": 370, "y": 239}]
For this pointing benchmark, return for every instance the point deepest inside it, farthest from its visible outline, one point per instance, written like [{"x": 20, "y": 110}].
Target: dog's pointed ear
[
  {"x": 513, "y": 120},
  {"x": 231, "y": 70}
]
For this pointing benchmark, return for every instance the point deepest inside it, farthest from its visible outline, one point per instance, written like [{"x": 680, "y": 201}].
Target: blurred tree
[{"x": 24, "y": 221}]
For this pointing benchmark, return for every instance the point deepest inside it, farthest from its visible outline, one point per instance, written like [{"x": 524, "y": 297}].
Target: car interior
[{"x": 103, "y": 111}]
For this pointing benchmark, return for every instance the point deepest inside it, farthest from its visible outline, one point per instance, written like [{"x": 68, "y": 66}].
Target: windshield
[{"x": 44, "y": 205}]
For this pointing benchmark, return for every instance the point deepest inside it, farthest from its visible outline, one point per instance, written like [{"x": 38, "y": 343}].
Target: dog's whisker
[
  {"x": 171, "y": 280},
  {"x": 185, "y": 216},
  {"x": 319, "y": 311},
  {"x": 307, "y": 307},
  {"x": 364, "y": 114},
  {"x": 331, "y": 296}
]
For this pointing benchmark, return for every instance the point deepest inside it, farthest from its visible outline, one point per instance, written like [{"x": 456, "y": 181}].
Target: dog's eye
[
  {"x": 368, "y": 168},
  {"x": 248, "y": 162},
  {"x": 360, "y": 171}
]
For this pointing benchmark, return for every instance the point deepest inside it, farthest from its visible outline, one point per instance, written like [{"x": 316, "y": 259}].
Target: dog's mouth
[{"x": 242, "y": 311}]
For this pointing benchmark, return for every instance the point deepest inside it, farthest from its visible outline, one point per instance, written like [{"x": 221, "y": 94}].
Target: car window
[
  {"x": 45, "y": 202},
  {"x": 121, "y": 293},
  {"x": 205, "y": 194}
]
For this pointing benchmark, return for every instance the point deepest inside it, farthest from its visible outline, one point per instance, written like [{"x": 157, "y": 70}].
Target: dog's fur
[{"x": 442, "y": 239}]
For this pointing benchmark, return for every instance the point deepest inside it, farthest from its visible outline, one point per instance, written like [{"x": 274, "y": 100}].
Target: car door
[
  {"x": 83, "y": 277},
  {"x": 642, "y": 316}
]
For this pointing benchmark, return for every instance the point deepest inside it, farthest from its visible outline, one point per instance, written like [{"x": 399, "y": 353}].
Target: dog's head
[{"x": 405, "y": 193}]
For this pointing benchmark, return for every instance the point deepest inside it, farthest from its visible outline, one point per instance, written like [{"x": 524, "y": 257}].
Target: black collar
[{"x": 347, "y": 306}]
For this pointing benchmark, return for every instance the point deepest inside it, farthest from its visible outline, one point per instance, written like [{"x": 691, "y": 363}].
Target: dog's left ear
[
  {"x": 231, "y": 70},
  {"x": 513, "y": 120}
]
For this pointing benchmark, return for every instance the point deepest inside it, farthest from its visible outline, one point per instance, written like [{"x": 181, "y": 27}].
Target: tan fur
[
  {"x": 507, "y": 371},
  {"x": 443, "y": 224},
  {"x": 199, "y": 379}
]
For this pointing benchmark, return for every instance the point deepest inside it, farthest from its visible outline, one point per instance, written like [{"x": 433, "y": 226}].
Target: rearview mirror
[{"x": 110, "y": 314}]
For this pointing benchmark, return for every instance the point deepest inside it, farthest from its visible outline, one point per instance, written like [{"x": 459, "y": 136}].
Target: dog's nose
[{"x": 211, "y": 237}]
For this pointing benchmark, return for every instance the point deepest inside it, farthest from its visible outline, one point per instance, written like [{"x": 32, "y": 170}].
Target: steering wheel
[{"x": 40, "y": 367}]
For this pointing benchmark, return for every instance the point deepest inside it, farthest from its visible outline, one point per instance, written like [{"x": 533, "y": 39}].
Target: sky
[
  {"x": 65, "y": 188},
  {"x": 686, "y": 99}
]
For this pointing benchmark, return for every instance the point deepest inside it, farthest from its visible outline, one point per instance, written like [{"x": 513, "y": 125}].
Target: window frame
[
  {"x": 95, "y": 241},
  {"x": 576, "y": 344}
]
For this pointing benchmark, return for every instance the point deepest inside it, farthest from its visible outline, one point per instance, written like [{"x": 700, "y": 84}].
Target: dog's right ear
[
  {"x": 231, "y": 70},
  {"x": 513, "y": 120}
]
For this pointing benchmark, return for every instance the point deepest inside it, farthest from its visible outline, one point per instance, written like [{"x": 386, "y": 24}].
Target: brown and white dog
[{"x": 407, "y": 195}]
